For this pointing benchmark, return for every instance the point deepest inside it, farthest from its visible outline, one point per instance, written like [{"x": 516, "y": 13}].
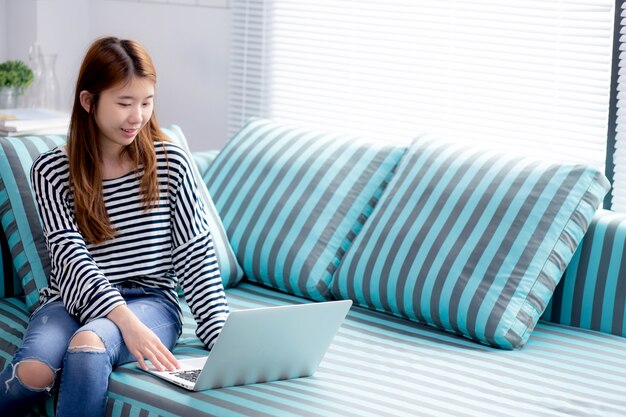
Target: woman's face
[{"x": 122, "y": 111}]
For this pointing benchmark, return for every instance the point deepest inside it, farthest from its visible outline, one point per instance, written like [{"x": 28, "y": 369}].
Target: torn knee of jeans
[
  {"x": 85, "y": 348},
  {"x": 15, "y": 376}
]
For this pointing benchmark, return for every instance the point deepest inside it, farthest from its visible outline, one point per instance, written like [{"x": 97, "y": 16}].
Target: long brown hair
[{"x": 109, "y": 62}]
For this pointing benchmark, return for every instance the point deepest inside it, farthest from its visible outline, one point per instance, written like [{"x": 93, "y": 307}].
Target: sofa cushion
[
  {"x": 229, "y": 268},
  {"x": 379, "y": 365},
  {"x": 470, "y": 240},
  {"x": 13, "y": 321},
  {"x": 11, "y": 285},
  {"x": 292, "y": 200},
  {"x": 203, "y": 161},
  {"x": 22, "y": 226},
  {"x": 592, "y": 292},
  {"x": 18, "y": 211}
]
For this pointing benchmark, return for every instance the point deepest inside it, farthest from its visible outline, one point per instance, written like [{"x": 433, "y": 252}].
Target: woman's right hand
[{"x": 142, "y": 342}]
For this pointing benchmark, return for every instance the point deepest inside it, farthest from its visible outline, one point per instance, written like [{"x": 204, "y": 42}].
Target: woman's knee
[
  {"x": 35, "y": 374},
  {"x": 86, "y": 340}
]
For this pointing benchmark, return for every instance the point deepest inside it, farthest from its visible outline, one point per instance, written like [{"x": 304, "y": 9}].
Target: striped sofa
[{"x": 308, "y": 217}]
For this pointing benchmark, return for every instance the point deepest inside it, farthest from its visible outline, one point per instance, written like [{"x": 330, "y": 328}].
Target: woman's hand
[{"x": 141, "y": 341}]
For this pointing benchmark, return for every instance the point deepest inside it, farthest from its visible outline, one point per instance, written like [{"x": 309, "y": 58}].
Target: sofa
[{"x": 484, "y": 284}]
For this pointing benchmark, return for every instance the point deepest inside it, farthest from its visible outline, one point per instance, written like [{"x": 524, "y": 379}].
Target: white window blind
[
  {"x": 532, "y": 76},
  {"x": 618, "y": 201}
]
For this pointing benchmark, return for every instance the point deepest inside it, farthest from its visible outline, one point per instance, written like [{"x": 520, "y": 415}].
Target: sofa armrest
[{"x": 592, "y": 292}]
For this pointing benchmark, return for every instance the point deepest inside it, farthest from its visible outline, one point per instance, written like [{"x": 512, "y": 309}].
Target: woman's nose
[{"x": 135, "y": 115}]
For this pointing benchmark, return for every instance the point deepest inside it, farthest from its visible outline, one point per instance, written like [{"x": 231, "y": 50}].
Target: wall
[
  {"x": 63, "y": 28},
  {"x": 21, "y": 20},
  {"x": 189, "y": 46},
  {"x": 3, "y": 30}
]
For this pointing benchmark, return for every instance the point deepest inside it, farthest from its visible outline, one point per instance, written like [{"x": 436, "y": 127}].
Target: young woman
[{"x": 124, "y": 224}]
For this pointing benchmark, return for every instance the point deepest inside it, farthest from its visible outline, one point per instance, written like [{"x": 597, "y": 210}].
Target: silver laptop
[{"x": 263, "y": 344}]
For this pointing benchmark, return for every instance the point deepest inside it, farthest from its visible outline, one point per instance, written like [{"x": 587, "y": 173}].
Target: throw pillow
[
  {"x": 292, "y": 200},
  {"x": 470, "y": 240},
  {"x": 592, "y": 292},
  {"x": 229, "y": 268},
  {"x": 11, "y": 286},
  {"x": 18, "y": 211}
]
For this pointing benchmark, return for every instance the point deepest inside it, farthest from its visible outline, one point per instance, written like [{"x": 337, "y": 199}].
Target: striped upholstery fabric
[
  {"x": 203, "y": 162},
  {"x": 383, "y": 366},
  {"x": 13, "y": 321},
  {"x": 292, "y": 200},
  {"x": 470, "y": 240},
  {"x": 11, "y": 285},
  {"x": 229, "y": 268},
  {"x": 592, "y": 292},
  {"x": 18, "y": 211}
]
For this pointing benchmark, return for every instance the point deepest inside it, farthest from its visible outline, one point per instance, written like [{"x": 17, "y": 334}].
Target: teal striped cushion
[
  {"x": 470, "y": 240},
  {"x": 22, "y": 227},
  {"x": 293, "y": 199},
  {"x": 13, "y": 322},
  {"x": 11, "y": 285},
  {"x": 379, "y": 365},
  {"x": 18, "y": 211},
  {"x": 203, "y": 161},
  {"x": 229, "y": 268},
  {"x": 592, "y": 292}
]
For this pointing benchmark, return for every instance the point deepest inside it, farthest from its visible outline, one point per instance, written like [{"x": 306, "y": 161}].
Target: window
[
  {"x": 531, "y": 76},
  {"x": 617, "y": 121}
]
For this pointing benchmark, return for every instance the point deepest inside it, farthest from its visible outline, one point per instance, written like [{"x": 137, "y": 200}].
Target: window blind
[
  {"x": 618, "y": 197},
  {"x": 532, "y": 76}
]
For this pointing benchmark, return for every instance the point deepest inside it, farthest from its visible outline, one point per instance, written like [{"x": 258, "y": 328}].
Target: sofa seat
[{"x": 379, "y": 365}]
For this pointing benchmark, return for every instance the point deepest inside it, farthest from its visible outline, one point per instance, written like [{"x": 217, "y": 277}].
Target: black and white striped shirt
[{"x": 170, "y": 243}]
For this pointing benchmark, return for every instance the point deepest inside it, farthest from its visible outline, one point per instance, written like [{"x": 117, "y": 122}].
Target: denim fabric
[{"x": 83, "y": 383}]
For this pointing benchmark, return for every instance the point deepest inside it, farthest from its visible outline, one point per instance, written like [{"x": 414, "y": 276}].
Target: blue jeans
[{"x": 84, "y": 374}]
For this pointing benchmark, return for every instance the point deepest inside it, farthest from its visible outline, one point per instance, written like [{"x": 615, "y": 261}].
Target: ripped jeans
[{"x": 81, "y": 373}]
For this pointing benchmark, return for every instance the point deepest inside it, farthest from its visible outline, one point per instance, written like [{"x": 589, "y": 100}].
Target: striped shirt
[{"x": 169, "y": 244}]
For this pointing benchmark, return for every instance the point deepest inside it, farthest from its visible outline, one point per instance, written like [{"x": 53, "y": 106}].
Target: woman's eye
[
  {"x": 147, "y": 104},
  {"x": 124, "y": 104}
]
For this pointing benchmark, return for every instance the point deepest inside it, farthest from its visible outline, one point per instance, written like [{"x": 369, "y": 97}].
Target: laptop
[{"x": 262, "y": 345}]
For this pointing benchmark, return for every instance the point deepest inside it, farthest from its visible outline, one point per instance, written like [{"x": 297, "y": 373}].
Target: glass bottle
[
  {"x": 34, "y": 94},
  {"x": 51, "y": 98}
]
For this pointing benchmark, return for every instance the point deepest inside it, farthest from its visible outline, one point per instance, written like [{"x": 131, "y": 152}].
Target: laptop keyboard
[{"x": 188, "y": 375}]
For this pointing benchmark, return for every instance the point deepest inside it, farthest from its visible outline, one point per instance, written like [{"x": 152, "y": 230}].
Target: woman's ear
[{"x": 86, "y": 100}]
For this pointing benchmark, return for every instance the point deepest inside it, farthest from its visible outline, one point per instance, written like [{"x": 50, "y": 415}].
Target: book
[
  {"x": 21, "y": 121},
  {"x": 37, "y": 132}
]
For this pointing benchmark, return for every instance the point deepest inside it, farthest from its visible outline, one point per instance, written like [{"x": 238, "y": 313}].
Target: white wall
[
  {"x": 3, "y": 30},
  {"x": 21, "y": 21},
  {"x": 63, "y": 28},
  {"x": 189, "y": 46}
]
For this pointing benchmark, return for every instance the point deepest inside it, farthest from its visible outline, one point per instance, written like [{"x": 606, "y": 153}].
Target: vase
[
  {"x": 50, "y": 94},
  {"x": 34, "y": 94},
  {"x": 8, "y": 97}
]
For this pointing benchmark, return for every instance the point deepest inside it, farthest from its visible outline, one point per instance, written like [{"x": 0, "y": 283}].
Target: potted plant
[{"x": 15, "y": 77}]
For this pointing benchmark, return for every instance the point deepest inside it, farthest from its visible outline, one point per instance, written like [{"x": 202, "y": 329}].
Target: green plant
[{"x": 15, "y": 74}]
